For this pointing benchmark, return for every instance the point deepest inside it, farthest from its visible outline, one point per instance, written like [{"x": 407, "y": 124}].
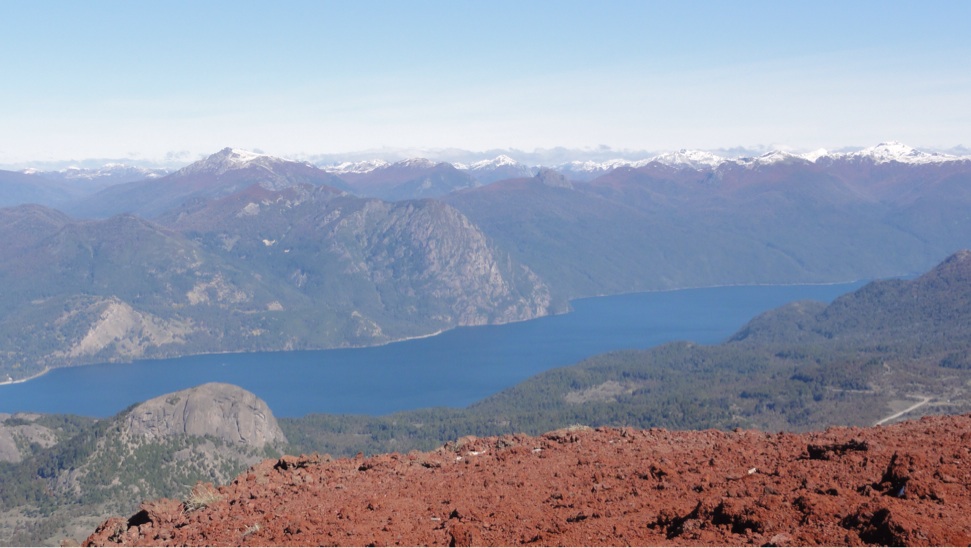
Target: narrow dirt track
[{"x": 924, "y": 401}]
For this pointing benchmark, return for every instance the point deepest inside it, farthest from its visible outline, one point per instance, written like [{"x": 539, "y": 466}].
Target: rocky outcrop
[
  {"x": 72, "y": 472},
  {"x": 115, "y": 324},
  {"x": 906, "y": 484},
  {"x": 221, "y": 410}
]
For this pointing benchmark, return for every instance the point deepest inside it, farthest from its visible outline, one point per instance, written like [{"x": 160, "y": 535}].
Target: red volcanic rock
[{"x": 906, "y": 484}]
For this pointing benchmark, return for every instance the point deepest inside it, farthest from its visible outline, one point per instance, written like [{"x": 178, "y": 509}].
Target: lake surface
[{"x": 453, "y": 369}]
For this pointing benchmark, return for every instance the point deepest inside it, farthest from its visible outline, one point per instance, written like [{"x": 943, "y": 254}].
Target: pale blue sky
[{"x": 115, "y": 79}]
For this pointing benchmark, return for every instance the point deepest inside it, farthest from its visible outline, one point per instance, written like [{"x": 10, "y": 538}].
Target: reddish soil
[{"x": 906, "y": 484}]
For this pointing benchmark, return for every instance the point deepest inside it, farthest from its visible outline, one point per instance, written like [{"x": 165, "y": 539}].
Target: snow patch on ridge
[
  {"x": 418, "y": 163},
  {"x": 589, "y": 166},
  {"x": 697, "y": 159},
  {"x": 816, "y": 154},
  {"x": 775, "y": 157},
  {"x": 365, "y": 166},
  {"x": 891, "y": 151},
  {"x": 894, "y": 151},
  {"x": 229, "y": 159},
  {"x": 109, "y": 170},
  {"x": 499, "y": 161}
]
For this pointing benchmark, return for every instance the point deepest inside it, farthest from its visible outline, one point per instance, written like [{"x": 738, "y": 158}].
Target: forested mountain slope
[
  {"x": 259, "y": 269},
  {"x": 767, "y": 220}
]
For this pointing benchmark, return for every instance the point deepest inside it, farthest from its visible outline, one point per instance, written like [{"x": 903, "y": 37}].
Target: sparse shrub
[{"x": 201, "y": 496}]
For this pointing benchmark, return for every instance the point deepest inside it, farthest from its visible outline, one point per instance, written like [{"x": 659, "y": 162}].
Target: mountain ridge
[
  {"x": 882, "y": 153},
  {"x": 218, "y": 175},
  {"x": 408, "y": 179}
]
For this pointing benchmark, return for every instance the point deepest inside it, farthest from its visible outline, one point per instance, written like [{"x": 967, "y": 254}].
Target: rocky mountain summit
[
  {"x": 906, "y": 484},
  {"x": 224, "y": 411}
]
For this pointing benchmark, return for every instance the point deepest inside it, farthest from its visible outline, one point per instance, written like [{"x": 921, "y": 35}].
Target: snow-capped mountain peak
[
  {"x": 773, "y": 157},
  {"x": 244, "y": 156},
  {"x": 816, "y": 154},
  {"x": 417, "y": 163},
  {"x": 499, "y": 161},
  {"x": 696, "y": 159},
  {"x": 893, "y": 151},
  {"x": 229, "y": 159},
  {"x": 501, "y": 167},
  {"x": 503, "y": 160},
  {"x": 598, "y": 167}
]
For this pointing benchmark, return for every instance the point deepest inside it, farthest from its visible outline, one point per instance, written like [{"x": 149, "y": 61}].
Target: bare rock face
[
  {"x": 215, "y": 409},
  {"x": 908, "y": 484}
]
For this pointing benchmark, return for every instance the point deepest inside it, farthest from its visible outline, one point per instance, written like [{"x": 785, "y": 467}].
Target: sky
[{"x": 172, "y": 81}]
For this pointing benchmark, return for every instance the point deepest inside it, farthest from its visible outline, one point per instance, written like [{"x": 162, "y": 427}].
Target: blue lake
[{"x": 453, "y": 369}]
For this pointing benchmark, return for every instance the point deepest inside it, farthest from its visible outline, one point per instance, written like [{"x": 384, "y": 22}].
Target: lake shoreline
[
  {"x": 454, "y": 368},
  {"x": 11, "y": 380},
  {"x": 568, "y": 310}
]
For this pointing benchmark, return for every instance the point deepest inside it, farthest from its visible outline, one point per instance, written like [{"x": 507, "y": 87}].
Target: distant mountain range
[
  {"x": 222, "y": 173},
  {"x": 773, "y": 219},
  {"x": 245, "y": 251},
  {"x": 409, "y": 179},
  {"x": 57, "y": 188},
  {"x": 414, "y": 177}
]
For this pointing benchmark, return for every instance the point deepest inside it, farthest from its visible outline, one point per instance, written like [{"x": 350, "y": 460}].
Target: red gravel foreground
[{"x": 906, "y": 484}]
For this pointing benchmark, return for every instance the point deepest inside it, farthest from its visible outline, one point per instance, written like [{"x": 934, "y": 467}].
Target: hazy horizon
[{"x": 550, "y": 157}]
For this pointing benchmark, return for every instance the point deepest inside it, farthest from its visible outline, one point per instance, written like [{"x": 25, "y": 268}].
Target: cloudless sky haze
[{"x": 176, "y": 80}]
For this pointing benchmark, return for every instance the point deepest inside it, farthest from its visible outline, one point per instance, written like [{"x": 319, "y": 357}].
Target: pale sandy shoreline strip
[{"x": 30, "y": 378}]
